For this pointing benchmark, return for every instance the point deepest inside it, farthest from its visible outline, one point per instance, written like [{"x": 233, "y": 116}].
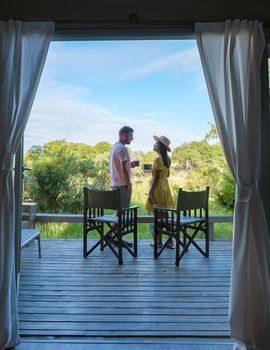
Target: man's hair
[{"x": 125, "y": 130}]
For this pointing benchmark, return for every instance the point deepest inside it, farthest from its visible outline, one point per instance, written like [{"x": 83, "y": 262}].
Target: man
[{"x": 120, "y": 166}]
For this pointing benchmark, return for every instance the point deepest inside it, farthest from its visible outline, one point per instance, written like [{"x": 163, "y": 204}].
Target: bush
[{"x": 226, "y": 193}]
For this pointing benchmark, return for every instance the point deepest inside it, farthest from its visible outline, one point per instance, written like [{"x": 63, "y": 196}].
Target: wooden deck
[{"x": 94, "y": 300}]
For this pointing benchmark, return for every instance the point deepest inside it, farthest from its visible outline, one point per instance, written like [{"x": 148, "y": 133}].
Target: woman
[{"x": 160, "y": 193}]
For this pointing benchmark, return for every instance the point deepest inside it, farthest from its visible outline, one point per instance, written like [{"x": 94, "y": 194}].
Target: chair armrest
[
  {"x": 165, "y": 219},
  {"x": 130, "y": 208},
  {"x": 164, "y": 209}
]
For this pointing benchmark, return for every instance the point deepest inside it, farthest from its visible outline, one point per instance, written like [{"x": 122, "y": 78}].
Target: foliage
[
  {"x": 226, "y": 194},
  {"x": 101, "y": 175},
  {"x": 197, "y": 154},
  {"x": 205, "y": 165},
  {"x": 61, "y": 169},
  {"x": 212, "y": 134},
  {"x": 143, "y": 157},
  {"x": 48, "y": 183},
  {"x": 59, "y": 172}
]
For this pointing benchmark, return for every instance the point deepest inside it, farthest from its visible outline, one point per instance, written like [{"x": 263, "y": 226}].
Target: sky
[{"x": 90, "y": 89}]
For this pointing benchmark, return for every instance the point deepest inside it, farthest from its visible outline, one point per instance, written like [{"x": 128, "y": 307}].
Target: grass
[
  {"x": 75, "y": 231},
  {"x": 65, "y": 230}
]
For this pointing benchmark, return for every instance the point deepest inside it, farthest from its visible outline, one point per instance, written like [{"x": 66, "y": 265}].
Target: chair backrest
[
  {"x": 192, "y": 200},
  {"x": 102, "y": 199}
]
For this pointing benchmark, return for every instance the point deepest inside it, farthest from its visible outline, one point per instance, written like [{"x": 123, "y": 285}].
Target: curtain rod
[
  {"x": 123, "y": 30},
  {"x": 131, "y": 23}
]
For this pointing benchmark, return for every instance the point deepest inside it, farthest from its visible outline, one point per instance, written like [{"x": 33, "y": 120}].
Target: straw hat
[{"x": 164, "y": 140}]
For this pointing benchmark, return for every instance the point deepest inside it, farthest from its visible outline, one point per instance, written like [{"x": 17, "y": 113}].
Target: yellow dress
[{"x": 162, "y": 194}]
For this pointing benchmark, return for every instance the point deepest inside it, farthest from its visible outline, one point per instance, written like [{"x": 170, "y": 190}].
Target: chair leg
[
  {"x": 120, "y": 247},
  {"x": 185, "y": 239},
  {"x": 155, "y": 244},
  {"x": 101, "y": 237},
  {"x": 85, "y": 243},
  {"x": 135, "y": 241},
  {"x": 39, "y": 247},
  {"x": 177, "y": 248},
  {"x": 191, "y": 240},
  {"x": 207, "y": 243}
]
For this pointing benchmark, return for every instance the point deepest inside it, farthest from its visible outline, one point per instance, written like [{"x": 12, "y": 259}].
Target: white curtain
[
  {"x": 23, "y": 50},
  {"x": 231, "y": 54}
]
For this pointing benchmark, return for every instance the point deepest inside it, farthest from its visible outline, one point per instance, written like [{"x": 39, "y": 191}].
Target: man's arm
[{"x": 126, "y": 174}]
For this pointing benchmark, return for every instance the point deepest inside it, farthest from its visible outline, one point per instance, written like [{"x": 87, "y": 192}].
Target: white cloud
[
  {"x": 183, "y": 61},
  {"x": 64, "y": 112},
  {"x": 121, "y": 60}
]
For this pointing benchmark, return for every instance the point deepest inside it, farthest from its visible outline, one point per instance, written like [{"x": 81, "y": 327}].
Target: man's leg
[{"x": 125, "y": 202}]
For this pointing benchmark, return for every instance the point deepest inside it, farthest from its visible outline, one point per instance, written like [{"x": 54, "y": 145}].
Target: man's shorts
[{"x": 125, "y": 195}]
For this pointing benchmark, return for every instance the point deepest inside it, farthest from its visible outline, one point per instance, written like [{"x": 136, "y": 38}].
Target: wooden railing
[
  {"x": 142, "y": 219},
  {"x": 30, "y": 215}
]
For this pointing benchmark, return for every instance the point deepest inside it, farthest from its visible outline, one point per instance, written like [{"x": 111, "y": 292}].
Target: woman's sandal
[
  {"x": 170, "y": 246},
  {"x": 153, "y": 245},
  {"x": 116, "y": 243}
]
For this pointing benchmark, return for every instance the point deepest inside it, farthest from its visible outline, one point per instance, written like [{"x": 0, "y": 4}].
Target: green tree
[
  {"x": 49, "y": 181},
  {"x": 59, "y": 172},
  {"x": 212, "y": 134},
  {"x": 206, "y": 167},
  {"x": 103, "y": 147},
  {"x": 148, "y": 157},
  {"x": 198, "y": 154},
  {"x": 101, "y": 177},
  {"x": 226, "y": 193}
]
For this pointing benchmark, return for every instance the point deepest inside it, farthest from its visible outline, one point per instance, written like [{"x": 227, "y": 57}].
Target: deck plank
[{"x": 65, "y": 295}]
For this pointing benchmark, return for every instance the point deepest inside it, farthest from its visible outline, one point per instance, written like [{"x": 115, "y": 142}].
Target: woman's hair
[{"x": 164, "y": 155}]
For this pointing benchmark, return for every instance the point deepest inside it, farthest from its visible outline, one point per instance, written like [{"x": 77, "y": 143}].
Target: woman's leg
[
  {"x": 151, "y": 226},
  {"x": 159, "y": 238}
]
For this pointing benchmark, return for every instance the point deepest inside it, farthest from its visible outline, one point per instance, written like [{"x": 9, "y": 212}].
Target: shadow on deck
[{"x": 65, "y": 298}]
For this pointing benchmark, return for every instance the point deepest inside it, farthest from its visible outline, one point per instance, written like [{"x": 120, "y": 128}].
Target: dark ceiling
[
  {"x": 110, "y": 19},
  {"x": 186, "y": 11}
]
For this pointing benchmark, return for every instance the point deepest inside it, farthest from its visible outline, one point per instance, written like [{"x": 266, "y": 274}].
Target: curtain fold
[
  {"x": 231, "y": 54},
  {"x": 23, "y": 51}
]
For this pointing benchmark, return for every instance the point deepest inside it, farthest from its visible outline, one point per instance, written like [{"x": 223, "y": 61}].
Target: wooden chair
[
  {"x": 29, "y": 233},
  {"x": 119, "y": 225},
  {"x": 28, "y": 236},
  {"x": 183, "y": 223}
]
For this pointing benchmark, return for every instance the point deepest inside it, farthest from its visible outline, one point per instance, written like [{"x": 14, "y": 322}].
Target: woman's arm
[{"x": 154, "y": 186}]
